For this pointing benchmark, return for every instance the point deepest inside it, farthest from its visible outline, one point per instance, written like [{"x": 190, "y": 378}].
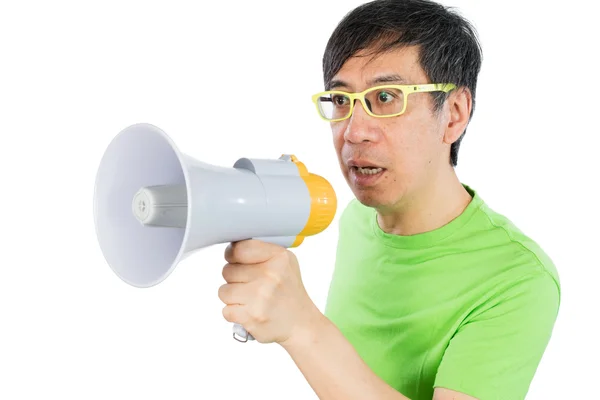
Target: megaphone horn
[{"x": 154, "y": 206}]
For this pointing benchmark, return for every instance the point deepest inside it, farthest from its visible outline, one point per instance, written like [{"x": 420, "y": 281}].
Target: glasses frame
[{"x": 405, "y": 89}]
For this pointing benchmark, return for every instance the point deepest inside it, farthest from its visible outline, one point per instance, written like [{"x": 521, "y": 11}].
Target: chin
[
  {"x": 369, "y": 198},
  {"x": 381, "y": 197}
]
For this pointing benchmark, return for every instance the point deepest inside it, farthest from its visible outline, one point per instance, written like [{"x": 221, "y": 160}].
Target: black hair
[{"x": 449, "y": 50}]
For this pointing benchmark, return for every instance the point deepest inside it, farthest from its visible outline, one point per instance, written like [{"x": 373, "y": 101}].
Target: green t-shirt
[{"x": 470, "y": 306}]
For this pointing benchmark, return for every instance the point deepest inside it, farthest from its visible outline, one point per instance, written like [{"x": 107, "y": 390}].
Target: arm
[
  {"x": 264, "y": 293},
  {"x": 331, "y": 365},
  {"x": 335, "y": 371},
  {"x": 493, "y": 355}
]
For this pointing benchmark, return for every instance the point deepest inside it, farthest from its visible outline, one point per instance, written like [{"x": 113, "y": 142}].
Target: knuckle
[
  {"x": 222, "y": 293},
  {"x": 283, "y": 258},
  {"x": 226, "y": 272},
  {"x": 259, "y": 316},
  {"x": 277, "y": 267},
  {"x": 274, "y": 276},
  {"x": 231, "y": 252},
  {"x": 227, "y": 314},
  {"x": 236, "y": 252},
  {"x": 265, "y": 291}
]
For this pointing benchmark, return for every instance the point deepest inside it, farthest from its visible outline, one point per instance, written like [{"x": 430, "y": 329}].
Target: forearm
[{"x": 332, "y": 366}]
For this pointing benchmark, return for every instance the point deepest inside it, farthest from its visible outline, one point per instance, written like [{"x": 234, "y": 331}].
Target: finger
[
  {"x": 235, "y": 313},
  {"x": 251, "y": 251},
  {"x": 241, "y": 273},
  {"x": 235, "y": 293}
]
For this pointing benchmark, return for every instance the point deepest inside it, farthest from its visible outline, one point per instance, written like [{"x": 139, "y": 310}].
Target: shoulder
[
  {"x": 523, "y": 242},
  {"x": 520, "y": 260}
]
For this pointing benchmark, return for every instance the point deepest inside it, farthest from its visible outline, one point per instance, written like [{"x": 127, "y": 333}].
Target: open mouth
[{"x": 367, "y": 170}]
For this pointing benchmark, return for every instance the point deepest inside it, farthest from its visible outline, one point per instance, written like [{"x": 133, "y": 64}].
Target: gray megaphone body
[{"x": 154, "y": 206}]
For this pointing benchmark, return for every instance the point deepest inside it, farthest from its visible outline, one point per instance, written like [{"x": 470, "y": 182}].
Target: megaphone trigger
[
  {"x": 155, "y": 206},
  {"x": 239, "y": 331}
]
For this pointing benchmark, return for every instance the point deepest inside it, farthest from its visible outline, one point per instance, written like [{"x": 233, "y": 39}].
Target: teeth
[{"x": 369, "y": 171}]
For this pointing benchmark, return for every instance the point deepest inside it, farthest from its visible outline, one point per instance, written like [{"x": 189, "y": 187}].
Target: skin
[{"x": 418, "y": 192}]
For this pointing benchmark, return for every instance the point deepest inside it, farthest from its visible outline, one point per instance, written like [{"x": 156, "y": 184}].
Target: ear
[{"x": 459, "y": 105}]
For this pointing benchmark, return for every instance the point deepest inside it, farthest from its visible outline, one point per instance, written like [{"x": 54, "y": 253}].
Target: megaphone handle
[
  {"x": 237, "y": 328},
  {"x": 241, "y": 332}
]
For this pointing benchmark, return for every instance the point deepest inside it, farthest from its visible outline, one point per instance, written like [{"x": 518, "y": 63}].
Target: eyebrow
[{"x": 392, "y": 78}]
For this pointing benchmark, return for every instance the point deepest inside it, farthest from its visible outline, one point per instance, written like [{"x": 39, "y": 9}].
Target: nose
[{"x": 361, "y": 127}]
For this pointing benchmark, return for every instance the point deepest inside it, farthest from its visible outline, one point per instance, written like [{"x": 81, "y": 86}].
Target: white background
[{"x": 239, "y": 74}]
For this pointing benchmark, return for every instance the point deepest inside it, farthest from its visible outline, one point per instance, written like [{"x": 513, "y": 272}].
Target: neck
[{"x": 430, "y": 207}]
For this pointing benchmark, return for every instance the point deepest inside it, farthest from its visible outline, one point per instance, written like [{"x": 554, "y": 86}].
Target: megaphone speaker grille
[{"x": 140, "y": 155}]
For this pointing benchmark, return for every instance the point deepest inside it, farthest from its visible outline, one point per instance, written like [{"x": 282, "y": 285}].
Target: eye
[
  {"x": 339, "y": 100},
  {"x": 385, "y": 97}
]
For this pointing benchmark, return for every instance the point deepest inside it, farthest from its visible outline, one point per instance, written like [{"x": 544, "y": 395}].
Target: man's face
[{"x": 408, "y": 148}]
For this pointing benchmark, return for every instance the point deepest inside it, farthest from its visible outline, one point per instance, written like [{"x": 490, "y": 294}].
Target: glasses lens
[
  {"x": 334, "y": 105},
  {"x": 385, "y": 101}
]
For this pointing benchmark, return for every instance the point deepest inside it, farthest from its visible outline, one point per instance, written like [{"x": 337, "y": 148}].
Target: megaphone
[{"x": 154, "y": 206}]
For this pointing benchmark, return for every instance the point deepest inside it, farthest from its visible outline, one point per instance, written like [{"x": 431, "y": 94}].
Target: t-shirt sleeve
[{"x": 496, "y": 351}]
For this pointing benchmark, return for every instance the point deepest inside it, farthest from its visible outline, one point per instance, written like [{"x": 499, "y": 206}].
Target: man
[{"x": 434, "y": 295}]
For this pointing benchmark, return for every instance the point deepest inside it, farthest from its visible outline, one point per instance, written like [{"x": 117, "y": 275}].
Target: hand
[{"x": 264, "y": 291}]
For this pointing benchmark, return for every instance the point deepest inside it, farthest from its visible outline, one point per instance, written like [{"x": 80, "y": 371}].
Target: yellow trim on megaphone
[{"x": 323, "y": 203}]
